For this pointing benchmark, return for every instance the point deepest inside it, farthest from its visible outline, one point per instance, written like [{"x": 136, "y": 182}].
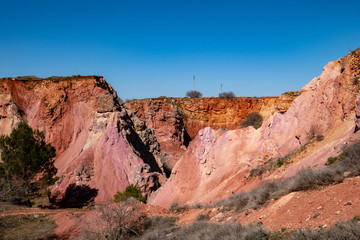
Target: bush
[
  {"x": 130, "y": 191},
  {"x": 194, "y": 94},
  {"x": 331, "y": 160},
  {"x": 319, "y": 138},
  {"x": 280, "y": 163},
  {"x": 226, "y": 95},
  {"x": 341, "y": 230},
  {"x": 253, "y": 119}
]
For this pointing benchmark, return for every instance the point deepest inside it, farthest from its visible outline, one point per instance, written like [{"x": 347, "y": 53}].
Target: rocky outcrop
[
  {"x": 165, "y": 119},
  {"x": 97, "y": 144},
  {"x": 218, "y": 161}
]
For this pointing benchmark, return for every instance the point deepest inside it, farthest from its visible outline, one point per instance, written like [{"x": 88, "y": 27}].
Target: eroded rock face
[
  {"x": 97, "y": 144},
  {"x": 166, "y": 120},
  {"x": 217, "y": 161},
  {"x": 176, "y": 121}
]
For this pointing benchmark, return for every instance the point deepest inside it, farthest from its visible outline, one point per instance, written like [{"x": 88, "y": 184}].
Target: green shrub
[
  {"x": 130, "y": 191},
  {"x": 280, "y": 163},
  {"x": 331, "y": 160}
]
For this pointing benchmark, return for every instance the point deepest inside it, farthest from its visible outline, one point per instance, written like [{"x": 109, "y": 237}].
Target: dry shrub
[
  {"x": 252, "y": 119},
  {"x": 226, "y": 95},
  {"x": 113, "y": 222},
  {"x": 341, "y": 230},
  {"x": 194, "y": 94},
  {"x": 204, "y": 230}
]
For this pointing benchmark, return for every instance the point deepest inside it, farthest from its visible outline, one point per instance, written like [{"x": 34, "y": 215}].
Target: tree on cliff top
[
  {"x": 194, "y": 94},
  {"x": 226, "y": 95}
]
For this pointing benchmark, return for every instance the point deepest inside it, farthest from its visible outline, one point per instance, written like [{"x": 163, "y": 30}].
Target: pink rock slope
[
  {"x": 217, "y": 162},
  {"x": 98, "y": 149}
]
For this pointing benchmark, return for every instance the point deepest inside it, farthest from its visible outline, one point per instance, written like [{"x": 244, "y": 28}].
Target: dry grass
[
  {"x": 34, "y": 226},
  {"x": 305, "y": 179}
]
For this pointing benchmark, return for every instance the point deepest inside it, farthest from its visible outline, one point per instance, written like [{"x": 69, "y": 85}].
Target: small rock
[
  {"x": 324, "y": 226},
  {"x": 337, "y": 212},
  {"x": 308, "y": 218},
  {"x": 320, "y": 208},
  {"x": 348, "y": 203},
  {"x": 346, "y": 174},
  {"x": 261, "y": 217}
]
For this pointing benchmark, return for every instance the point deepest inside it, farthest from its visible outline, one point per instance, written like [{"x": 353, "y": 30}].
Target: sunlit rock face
[
  {"x": 175, "y": 121},
  {"x": 217, "y": 162},
  {"x": 98, "y": 148}
]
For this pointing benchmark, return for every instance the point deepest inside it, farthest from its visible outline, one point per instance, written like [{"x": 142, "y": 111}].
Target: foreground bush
[
  {"x": 118, "y": 222},
  {"x": 130, "y": 191},
  {"x": 25, "y": 154}
]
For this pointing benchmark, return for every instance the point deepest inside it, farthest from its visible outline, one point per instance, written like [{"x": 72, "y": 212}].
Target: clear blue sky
[{"x": 153, "y": 48}]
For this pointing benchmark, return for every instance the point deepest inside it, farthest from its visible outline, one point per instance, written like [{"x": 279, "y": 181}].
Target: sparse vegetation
[
  {"x": 293, "y": 93},
  {"x": 226, "y": 95},
  {"x": 305, "y": 179},
  {"x": 273, "y": 163},
  {"x": 314, "y": 131},
  {"x": 130, "y": 191},
  {"x": 37, "y": 226},
  {"x": 202, "y": 217},
  {"x": 341, "y": 230},
  {"x": 28, "y": 78},
  {"x": 118, "y": 222},
  {"x": 175, "y": 207},
  {"x": 193, "y": 94},
  {"x": 253, "y": 119}
]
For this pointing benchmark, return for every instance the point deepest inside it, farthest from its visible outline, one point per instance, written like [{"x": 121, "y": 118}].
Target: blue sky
[{"x": 153, "y": 48}]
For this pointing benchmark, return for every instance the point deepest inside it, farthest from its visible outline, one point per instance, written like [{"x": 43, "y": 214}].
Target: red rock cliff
[
  {"x": 176, "y": 121},
  {"x": 97, "y": 144}
]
